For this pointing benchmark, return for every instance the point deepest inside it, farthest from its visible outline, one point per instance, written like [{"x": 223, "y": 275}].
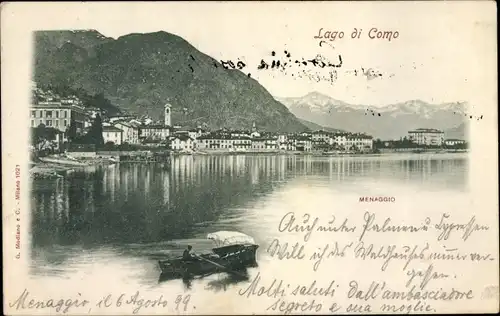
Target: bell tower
[{"x": 168, "y": 113}]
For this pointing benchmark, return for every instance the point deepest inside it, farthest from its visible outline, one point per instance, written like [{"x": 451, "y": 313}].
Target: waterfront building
[
  {"x": 322, "y": 136},
  {"x": 320, "y": 144},
  {"x": 427, "y": 136},
  {"x": 282, "y": 141},
  {"x": 242, "y": 143},
  {"x": 289, "y": 145},
  {"x": 58, "y": 115},
  {"x": 258, "y": 143},
  {"x": 340, "y": 139},
  {"x": 223, "y": 140},
  {"x": 271, "y": 143},
  {"x": 215, "y": 140},
  {"x": 130, "y": 132},
  {"x": 359, "y": 142},
  {"x": 302, "y": 143},
  {"x": 154, "y": 132},
  {"x": 454, "y": 142},
  {"x": 112, "y": 134},
  {"x": 182, "y": 142}
]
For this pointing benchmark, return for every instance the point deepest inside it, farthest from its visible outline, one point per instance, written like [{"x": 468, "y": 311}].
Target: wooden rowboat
[{"x": 234, "y": 251}]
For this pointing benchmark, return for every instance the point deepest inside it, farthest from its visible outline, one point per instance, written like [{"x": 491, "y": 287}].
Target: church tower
[{"x": 168, "y": 113}]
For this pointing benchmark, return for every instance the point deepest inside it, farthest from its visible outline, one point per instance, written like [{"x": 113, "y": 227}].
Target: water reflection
[
  {"x": 150, "y": 210},
  {"x": 218, "y": 282}
]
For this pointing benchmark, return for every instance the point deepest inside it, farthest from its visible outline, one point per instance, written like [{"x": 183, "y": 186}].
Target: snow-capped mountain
[
  {"x": 318, "y": 102},
  {"x": 388, "y": 122}
]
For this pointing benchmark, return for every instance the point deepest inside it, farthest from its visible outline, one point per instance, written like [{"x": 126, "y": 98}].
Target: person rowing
[{"x": 188, "y": 254}]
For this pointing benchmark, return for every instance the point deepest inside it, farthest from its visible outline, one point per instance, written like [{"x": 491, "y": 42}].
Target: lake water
[{"x": 114, "y": 223}]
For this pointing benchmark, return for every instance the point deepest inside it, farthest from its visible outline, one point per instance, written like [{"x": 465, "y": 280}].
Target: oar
[{"x": 220, "y": 266}]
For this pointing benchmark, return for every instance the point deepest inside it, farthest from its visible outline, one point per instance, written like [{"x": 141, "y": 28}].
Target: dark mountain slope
[{"x": 142, "y": 72}]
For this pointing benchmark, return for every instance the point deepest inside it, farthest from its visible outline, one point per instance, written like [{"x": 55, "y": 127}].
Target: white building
[
  {"x": 282, "y": 141},
  {"x": 112, "y": 134},
  {"x": 454, "y": 142},
  {"x": 340, "y": 139},
  {"x": 182, "y": 142},
  {"x": 157, "y": 132},
  {"x": 154, "y": 132},
  {"x": 223, "y": 140},
  {"x": 58, "y": 115},
  {"x": 193, "y": 133},
  {"x": 359, "y": 142},
  {"x": 264, "y": 143},
  {"x": 427, "y": 136},
  {"x": 130, "y": 132},
  {"x": 254, "y": 133},
  {"x": 301, "y": 143},
  {"x": 322, "y": 136}
]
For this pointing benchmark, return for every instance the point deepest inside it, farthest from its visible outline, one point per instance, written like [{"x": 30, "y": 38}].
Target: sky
[{"x": 444, "y": 52}]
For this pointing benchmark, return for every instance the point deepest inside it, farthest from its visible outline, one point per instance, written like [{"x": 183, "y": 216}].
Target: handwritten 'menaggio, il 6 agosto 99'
[{"x": 306, "y": 158}]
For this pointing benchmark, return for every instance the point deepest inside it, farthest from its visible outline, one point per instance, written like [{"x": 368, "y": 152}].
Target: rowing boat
[{"x": 234, "y": 251}]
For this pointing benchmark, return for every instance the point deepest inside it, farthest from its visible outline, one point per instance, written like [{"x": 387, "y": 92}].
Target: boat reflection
[{"x": 222, "y": 281}]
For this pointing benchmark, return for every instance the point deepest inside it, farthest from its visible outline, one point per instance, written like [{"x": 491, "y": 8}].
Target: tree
[
  {"x": 109, "y": 146},
  {"x": 95, "y": 133},
  {"x": 42, "y": 137},
  {"x": 378, "y": 143},
  {"x": 41, "y": 132},
  {"x": 71, "y": 131}
]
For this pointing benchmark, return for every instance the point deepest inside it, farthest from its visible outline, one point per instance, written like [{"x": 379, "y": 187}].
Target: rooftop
[
  {"x": 111, "y": 129},
  {"x": 156, "y": 126},
  {"x": 124, "y": 123},
  {"x": 182, "y": 137},
  {"x": 57, "y": 104},
  {"x": 216, "y": 136},
  {"x": 425, "y": 130},
  {"x": 263, "y": 139}
]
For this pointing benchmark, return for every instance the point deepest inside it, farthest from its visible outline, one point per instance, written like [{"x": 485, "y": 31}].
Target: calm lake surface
[{"x": 117, "y": 221}]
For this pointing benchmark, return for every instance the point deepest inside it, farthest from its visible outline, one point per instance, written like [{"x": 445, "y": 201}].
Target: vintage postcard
[{"x": 249, "y": 158}]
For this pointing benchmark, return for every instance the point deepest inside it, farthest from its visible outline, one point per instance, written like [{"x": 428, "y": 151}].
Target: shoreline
[
  {"x": 319, "y": 154},
  {"x": 55, "y": 167},
  {"x": 60, "y": 166}
]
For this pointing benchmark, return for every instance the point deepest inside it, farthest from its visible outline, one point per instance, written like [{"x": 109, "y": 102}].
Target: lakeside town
[{"x": 63, "y": 126}]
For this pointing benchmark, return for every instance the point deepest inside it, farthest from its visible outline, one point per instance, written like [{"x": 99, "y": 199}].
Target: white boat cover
[{"x": 227, "y": 238}]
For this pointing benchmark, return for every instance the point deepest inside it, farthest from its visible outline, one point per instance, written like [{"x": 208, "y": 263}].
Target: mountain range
[
  {"x": 388, "y": 122},
  {"x": 140, "y": 73}
]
